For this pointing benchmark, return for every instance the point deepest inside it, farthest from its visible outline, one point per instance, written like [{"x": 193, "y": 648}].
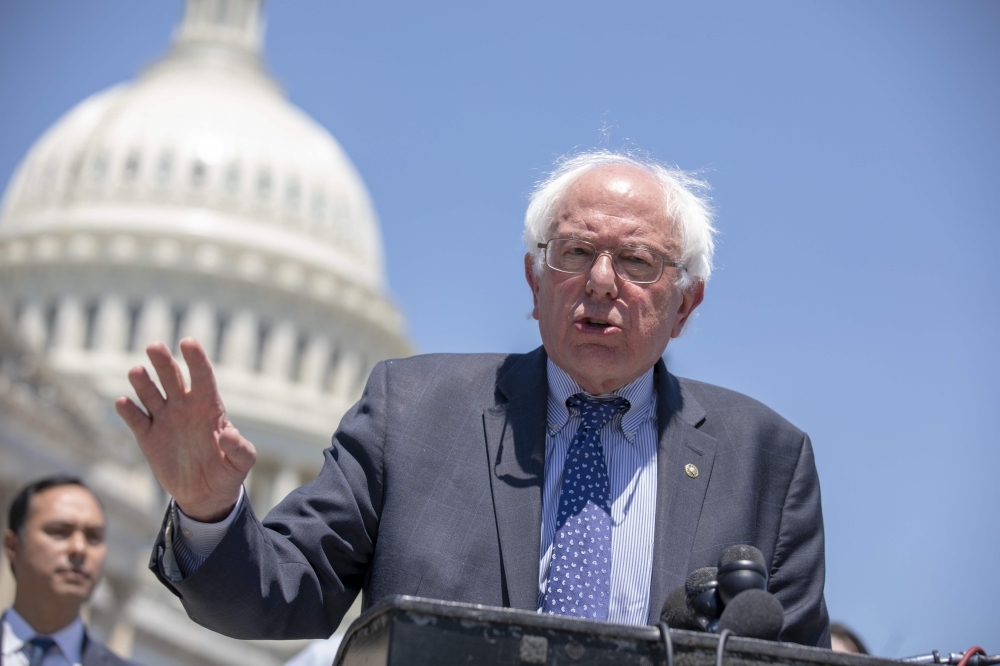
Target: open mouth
[{"x": 595, "y": 324}]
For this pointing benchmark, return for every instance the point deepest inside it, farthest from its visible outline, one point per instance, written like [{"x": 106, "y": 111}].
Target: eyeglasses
[{"x": 632, "y": 264}]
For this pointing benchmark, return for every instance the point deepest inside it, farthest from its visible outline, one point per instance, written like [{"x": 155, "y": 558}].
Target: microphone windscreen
[
  {"x": 754, "y": 614},
  {"x": 702, "y": 597},
  {"x": 701, "y": 579},
  {"x": 676, "y": 613},
  {"x": 741, "y": 568},
  {"x": 741, "y": 552}
]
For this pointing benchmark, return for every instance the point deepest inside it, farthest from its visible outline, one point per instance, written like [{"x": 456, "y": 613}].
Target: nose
[
  {"x": 77, "y": 546},
  {"x": 602, "y": 280}
]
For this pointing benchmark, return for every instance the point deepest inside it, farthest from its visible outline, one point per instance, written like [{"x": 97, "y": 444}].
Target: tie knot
[
  {"x": 39, "y": 646},
  {"x": 596, "y": 413},
  {"x": 43, "y": 643}
]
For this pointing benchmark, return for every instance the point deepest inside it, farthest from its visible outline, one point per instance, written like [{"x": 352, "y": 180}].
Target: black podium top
[{"x": 413, "y": 631}]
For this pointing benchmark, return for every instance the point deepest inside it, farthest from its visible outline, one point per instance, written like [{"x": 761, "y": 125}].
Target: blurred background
[{"x": 854, "y": 153}]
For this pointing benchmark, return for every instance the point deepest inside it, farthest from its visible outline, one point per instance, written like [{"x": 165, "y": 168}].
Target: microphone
[
  {"x": 753, "y": 613},
  {"x": 735, "y": 590},
  {"x": 741, "y": 568},
  {"x": 702, "y": 598},
  {"x": 676, "y": 613}
]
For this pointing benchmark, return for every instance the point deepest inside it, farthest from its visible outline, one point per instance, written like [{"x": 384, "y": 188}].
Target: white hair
[{"x": 685, "y": 203}]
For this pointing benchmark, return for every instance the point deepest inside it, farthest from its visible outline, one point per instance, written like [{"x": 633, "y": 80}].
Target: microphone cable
[
  {"x": 723, "y": 636},
  {"x": 975, "y": 649},
  {"x": 668, "y": 643}
]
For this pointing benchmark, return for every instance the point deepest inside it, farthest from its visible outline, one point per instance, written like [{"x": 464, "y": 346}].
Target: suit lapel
[
  {"x": 679, "y": 498},
  {"x": 90, "y": 656},
  {"x": 515, "y": 441},
  {"x": 96, "y": 654}
]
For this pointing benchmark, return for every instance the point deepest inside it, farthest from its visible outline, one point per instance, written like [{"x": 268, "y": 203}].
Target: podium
[{"x": 410, "y": 631}]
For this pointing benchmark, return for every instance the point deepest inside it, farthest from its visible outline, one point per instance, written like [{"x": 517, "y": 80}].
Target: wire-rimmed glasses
[{"x": 632, "y": 264}]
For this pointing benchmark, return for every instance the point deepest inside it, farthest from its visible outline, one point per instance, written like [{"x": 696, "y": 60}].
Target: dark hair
[
  {"x": 837, "y": 629},
  {"x": 19, "y": 507}
]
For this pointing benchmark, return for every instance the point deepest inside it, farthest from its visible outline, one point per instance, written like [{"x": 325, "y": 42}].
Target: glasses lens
[
  {"x": 634, "y": 264},
  {"x": 638, "y": 264},
  {"x": 570, "y": 255}
]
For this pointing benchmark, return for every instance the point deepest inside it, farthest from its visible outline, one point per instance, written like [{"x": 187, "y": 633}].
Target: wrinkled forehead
[{"x": 616, "y": 192}]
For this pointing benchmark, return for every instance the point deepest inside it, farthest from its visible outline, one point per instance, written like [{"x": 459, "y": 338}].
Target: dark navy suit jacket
[{"x": 433, "y": 488}]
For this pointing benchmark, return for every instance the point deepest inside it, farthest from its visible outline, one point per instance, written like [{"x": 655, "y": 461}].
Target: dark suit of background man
[
  {"x": 55, "y": 543},
  {"x": 459, "y": 477}
]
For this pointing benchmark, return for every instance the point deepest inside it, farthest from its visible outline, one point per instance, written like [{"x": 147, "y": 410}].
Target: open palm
[{"x": 197, "y": 455}]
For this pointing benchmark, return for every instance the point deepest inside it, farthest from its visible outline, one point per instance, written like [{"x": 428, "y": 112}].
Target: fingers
[
  {"x": 134, "y": 418},
  {"x": 166, "y": 369},
  {"x": 238, "y": 449},
  {"x": 202, "y": 377},
  {"x": 144, "y": 387}
]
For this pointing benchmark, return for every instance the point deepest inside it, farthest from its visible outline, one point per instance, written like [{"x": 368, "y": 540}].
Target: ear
[
  {"x": 690, "y": 299},
  {"x": 11, "y": 546},
  {"x": 529, "y": 275}
]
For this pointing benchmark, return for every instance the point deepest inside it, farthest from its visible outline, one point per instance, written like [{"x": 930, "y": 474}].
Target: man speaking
[{"x": 579, "y": 479}]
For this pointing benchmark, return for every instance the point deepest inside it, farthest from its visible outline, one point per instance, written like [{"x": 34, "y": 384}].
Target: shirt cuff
[{"x": 201, "y": 538}]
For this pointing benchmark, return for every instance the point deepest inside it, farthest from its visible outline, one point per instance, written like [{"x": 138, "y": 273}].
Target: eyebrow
[
  {"x": 66, "y": 523},
  {"x": 638, "y": 246}
]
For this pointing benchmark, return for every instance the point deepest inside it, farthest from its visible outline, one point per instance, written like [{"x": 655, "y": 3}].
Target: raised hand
[{"x": 195, "y": 452}]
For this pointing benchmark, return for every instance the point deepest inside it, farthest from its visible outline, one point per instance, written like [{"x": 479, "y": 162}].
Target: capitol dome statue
[
  {"x": 198, "y": 201},
  {"x": 192, "y": 201}
]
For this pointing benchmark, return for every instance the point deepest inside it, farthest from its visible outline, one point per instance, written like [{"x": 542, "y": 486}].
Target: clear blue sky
[{"x": 854, "y": 150}]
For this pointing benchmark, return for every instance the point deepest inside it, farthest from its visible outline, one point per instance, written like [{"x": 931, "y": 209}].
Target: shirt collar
[
  {"x": 17, "y": 632},
  {"x": 639, "y": 393}
]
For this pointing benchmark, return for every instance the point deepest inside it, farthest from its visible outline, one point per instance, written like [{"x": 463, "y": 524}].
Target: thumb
[{"x": 238, "y": 450}]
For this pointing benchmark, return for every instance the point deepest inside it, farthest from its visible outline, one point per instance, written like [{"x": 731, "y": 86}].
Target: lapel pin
[{"x": 691, "y": 471}]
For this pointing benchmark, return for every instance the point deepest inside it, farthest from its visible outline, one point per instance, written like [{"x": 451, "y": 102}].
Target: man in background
[{"x": 55, "y": 543}]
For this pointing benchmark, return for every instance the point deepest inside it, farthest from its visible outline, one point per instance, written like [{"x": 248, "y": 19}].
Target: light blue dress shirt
[
  {"x": 630, "y": 443},
  {"x": 16, "y": 632}
]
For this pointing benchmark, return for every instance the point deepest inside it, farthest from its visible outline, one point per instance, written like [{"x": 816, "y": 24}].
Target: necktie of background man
[
  {"x": 37, "y": 648},
  {"x": 580, "y": 571}
]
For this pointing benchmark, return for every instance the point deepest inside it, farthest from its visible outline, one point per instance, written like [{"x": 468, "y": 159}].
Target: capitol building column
[
  {"x": 239, "y": 342},
  {"x": 69, "y": 326},
  {"x": 155, "y": 322},
  {"x": 111, "y": 328},
  {"x": 32, "y": 323}
]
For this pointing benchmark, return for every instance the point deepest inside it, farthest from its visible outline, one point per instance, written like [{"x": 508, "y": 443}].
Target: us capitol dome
[{"x": 194, "y": 200}]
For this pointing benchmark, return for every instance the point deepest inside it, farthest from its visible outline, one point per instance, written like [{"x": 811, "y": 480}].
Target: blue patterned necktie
[
  {"x": 38, "y": 647},
  {"x": 580, "y": 570}
]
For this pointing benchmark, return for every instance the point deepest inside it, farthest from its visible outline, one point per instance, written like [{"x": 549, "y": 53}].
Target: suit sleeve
[
  {"x": 296, "y": 574},
  {"x": 798, "y": 571}
]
